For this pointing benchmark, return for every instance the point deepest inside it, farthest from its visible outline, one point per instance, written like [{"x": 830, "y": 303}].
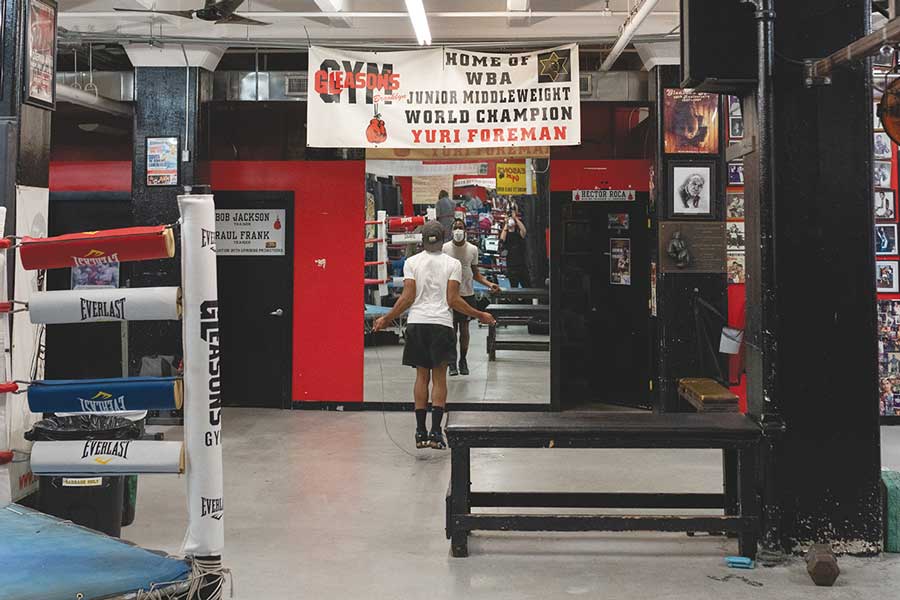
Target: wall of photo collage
[
  {"x": 887, "y": 255},
  {"x": 734, "y": 198}
]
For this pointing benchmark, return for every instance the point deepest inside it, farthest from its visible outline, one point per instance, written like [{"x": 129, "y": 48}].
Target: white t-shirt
[
  {"x": 467, "y": 255},
  {"x": 431, "y": 271}
]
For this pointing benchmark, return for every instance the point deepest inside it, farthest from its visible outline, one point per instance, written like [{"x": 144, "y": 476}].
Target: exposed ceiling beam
[
  {"x": 276, "y": 14},
  {"x": 334, "y": 6},
  {"x": 629, "y": 29},
  {"x": 518, "y": 6}
]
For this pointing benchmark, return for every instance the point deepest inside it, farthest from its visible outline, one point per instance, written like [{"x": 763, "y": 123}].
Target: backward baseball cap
[{"x": 433, "y": 236}]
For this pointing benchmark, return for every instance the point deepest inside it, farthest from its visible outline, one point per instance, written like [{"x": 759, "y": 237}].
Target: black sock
[
  {"x": 462, "y": 355},
  {"x": 420, "y": 419},
  {"x": 437, "y": 415}
]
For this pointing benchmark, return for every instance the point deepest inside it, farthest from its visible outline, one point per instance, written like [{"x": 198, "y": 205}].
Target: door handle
[{"x": 277, "y": 313}]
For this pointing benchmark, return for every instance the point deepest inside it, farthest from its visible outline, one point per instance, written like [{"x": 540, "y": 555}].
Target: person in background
[
  {"x": 472, "y": 202},
  {"x": 431, "y": 281},
  {"x": 513, "y": 239},
  {"x": 467, "y": 254},
  {"x": 444, "y": 212}
]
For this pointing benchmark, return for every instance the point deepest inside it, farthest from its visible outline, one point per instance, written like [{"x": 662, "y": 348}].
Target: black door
[
  {"x": 255, "y": 307},
  {"x": 599, "y": 304}
]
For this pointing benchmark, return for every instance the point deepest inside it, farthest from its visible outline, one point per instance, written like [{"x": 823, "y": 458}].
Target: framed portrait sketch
[
  {"x": 39, "y": 86},
  {"x": 886, "y": 276},
  {"x": 886, "y": 240},
  {"x": 693, "y": 189},
  {"x": 885, "y": 205},
  {"x": 691, "y": 122}
]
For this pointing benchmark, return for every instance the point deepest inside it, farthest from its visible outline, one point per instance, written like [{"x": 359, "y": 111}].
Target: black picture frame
[
  {"x": 677, "y": 195},
  {"x": 39, "y": 86},
  {"x": 159, "y": 181}
]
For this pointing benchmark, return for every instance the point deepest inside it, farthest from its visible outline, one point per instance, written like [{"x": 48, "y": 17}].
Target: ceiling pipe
[
  {"x": 66, "y": 93},
  {"x": 277, "y": 14},
  {"x": 631, "y": 27}
]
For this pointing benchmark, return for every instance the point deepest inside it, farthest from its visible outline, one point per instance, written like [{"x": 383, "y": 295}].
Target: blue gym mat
[{"x": 45, "y": 558}]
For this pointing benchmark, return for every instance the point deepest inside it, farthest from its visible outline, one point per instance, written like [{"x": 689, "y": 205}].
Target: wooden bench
[
  {"x": 707, "y": 395},
  {"x": 539, "y": 294},
  {"x": 515, "y": 314},
  {"x": 737, "y": 435}
]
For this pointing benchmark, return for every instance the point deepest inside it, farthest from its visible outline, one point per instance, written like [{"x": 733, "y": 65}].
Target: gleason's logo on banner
[
  {"x": 209, "y": 332},
  {"x": 443, "y": 98}
]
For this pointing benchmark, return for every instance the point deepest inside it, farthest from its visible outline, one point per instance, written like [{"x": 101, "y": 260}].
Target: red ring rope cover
[{"x": 97, "y": 247}]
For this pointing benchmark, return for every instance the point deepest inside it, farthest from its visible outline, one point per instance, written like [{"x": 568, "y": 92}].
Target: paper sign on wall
[
  {"x": 603, "y": 195},
  {"x": 511, "y": 179},
  {"x": 250, "y": 232}
]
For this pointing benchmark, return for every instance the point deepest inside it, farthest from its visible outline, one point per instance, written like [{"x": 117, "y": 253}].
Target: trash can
[
  {"x": 129, "y": 485},
  {"x": 95, "y": 502}
]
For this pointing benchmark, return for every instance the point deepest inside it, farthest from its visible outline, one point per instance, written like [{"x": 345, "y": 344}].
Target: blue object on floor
[
  {"x": 45, "y": 558},
  {"x": 739, "y": 562}
]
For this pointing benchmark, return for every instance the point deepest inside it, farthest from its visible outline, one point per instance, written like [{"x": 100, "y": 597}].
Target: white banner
[
  {"x": 94, "y": 305},
  {"x": 603, "y": 195},
  {"x": 443, "y": 98},
  {"x": 202, "y": 382},
  {"x": 250, "y": 232}
]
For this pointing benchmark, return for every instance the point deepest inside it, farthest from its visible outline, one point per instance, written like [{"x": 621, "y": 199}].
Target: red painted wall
[
  {"x": 95, "y": 176},
  {"x": 329, "y": 210},
  {"x": 566, "y": 175}
]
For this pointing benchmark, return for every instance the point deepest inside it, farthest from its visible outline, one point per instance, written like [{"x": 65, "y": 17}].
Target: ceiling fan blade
[
  {"x": 234, "y": 19},
  {"x": 187, "y": 14}
]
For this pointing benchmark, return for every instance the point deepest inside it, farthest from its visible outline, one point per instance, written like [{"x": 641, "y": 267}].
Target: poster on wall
[
  {"x": 885, "y": 239},
  {"x": 426, "y": 188},
  {"x": 885, "y": 205},
  {"x": 250, "y": 232},
  {"x": 693, "y": 189},
  {"x": 692, "y": 122},
  {"x": 443, "y": 98},
  {"x": 618, "y": 221},
  {"x": 734, "y": 206},
  {"x": 652, "y": 289},
  {"x": 737, "y": 267},
  {"x": 620, "y": 261},
  {"x": 104, "y": 275},
  {"x": 162, "y": 161},
  {"x": 40, "y": 54},
  {"x": 511, "y": 179},
  {"x": 889, "y": 357},
  {"x": 734, "y": 236},
  {"x": 886, "y": 276}
]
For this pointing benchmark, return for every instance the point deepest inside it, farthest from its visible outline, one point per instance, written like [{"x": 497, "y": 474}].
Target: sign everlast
[
  {"x": 209, "y": 332},
  {"x": 93, "y": 309},
  {"x": 105, "y": 448},
  {"x": 212, "y": 507}
]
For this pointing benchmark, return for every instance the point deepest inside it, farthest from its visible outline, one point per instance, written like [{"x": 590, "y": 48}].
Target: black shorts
[
  {"x": 429, "y": 346},
  {"x": 459, "y": 317}
]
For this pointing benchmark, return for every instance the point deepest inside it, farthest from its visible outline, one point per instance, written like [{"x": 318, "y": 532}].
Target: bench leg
[
  {"x": 748, "y": 499},
  {"x": 491, "y": 339},
  {"x": 729, "y": 477},
  {"x": 460, "y": 502}
]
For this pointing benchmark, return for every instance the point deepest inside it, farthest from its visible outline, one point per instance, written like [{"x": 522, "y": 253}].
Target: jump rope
[{"x": 420, "y": 456}]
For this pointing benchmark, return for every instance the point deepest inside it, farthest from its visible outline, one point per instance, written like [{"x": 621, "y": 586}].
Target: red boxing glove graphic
[{"x": 376, "y": 132}]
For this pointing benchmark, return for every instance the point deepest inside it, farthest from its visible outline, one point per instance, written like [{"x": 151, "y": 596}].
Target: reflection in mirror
[{"x": 500, "y": 243}]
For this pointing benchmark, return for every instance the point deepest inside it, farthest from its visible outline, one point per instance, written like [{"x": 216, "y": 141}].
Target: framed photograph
[
  {"x": 736, "y": 128},
  {"x": 693, "y": 189},
  {"x": 883, "y": 60},
  {"x": 618, "y": 221},
  {"x": 734, "y": 236},
  {"x": 737, "y": 267},
  {"x": 691, "y": 122},
  {"x": 876, "y": 123},
  {"x": 162, "y": 161},
  {"x": 886, "y": 276},
  {"x": 882, "y": 145},
  {"x": 104, "y": 275},
  {"x": 885, "y": 205},
  {"x": 886, "y": 240},
  {"x": 734, "y": 206},
  {"x": 39, "y": 87},
  {"x": 882, "y": 173},
  {"x": 734, "y": 106},
  {"x": 736, "y": 173}
]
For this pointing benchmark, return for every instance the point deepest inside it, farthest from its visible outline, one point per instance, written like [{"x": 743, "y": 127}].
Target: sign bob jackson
[{"x": 443, "y": 98}]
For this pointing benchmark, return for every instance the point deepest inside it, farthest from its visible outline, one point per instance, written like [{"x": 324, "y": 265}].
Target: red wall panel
[
  {"x": 568, "y": 175},
  {"x": 329, "y": 210},
  {"x": 94, "y": 176}
]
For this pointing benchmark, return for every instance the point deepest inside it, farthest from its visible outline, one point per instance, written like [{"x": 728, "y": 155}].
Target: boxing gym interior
[{"x": 451, "y": 300}]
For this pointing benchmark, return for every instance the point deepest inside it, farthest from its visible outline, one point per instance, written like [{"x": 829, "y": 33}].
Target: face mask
[{"x": 459, "y": 235}]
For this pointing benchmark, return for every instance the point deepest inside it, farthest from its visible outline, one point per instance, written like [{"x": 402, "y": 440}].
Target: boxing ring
[{"x": 54, "y": 559}]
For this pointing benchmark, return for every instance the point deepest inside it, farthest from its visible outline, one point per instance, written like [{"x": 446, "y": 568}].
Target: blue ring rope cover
[{"x": 105, "y": 395}]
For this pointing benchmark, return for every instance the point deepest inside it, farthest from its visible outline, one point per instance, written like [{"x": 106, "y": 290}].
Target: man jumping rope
[
  {"x": 431, "y": 282},
  {"x": 467, "y": 254}
]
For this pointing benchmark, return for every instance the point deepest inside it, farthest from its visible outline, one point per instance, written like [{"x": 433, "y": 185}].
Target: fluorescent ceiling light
[{"x": 419, "y": 21}]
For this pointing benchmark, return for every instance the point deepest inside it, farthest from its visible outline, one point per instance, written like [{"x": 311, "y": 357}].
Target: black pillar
[
  {"x": 168, "y": 103},
  {"x": 811, "y": 276}
]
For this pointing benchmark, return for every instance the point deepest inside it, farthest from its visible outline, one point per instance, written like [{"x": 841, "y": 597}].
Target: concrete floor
[
  {"x": 323, "y": 505},
  {"x": 521, "y": 377}
]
